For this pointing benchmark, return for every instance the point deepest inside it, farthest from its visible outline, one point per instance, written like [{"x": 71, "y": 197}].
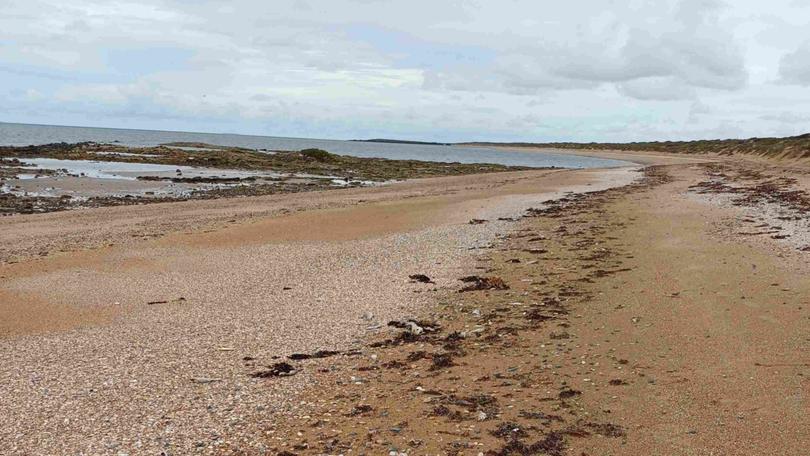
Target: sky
[{"x": 440, "y": 70}]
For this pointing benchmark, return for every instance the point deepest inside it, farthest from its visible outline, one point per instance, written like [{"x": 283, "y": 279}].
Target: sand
[
  {"x": 669, "y": 330},
  {"x": 675, "y": 337},
  {"x": 126, "y": 344}
]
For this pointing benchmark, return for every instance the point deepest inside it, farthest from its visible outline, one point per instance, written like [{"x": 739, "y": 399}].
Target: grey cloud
[
  {"x": 787, "y": 117},
  {"x": 688, "y": 50},
  {"x": 658, "y": 88},
  {"x": 794, "y": 68}
]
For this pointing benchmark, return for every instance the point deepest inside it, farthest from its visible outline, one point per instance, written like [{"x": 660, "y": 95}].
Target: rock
[{"x": 415, "y": 329}]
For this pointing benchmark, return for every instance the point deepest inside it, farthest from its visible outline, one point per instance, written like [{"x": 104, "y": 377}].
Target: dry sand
[
  {"x": 89, "y": 366},
  {"x": 635, "y": 324},
  {"x": 646, "y": 320}
]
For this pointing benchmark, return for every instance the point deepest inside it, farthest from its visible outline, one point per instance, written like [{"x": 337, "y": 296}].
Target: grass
[{"x": 793, "y": 147}]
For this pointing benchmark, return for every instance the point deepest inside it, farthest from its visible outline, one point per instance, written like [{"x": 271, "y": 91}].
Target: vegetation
[
  {"x": 309, "y": 161},
  {"x": 795, "y": 147}
]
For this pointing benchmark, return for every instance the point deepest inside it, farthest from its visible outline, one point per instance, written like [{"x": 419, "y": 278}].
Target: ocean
[{"x": 12, "y": 134}]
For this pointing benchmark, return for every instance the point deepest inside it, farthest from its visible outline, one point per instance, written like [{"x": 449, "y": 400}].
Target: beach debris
[
  {"x": 553, "y": 444},
  {"x": 568, "y": 393},
  {"x": 606, "y": 429},
  {"x": 783, "y": 365},
  {"x": 421, "y": 278},
  {"x": 281, "y": 369},
  {"x": 317, "y": 355},
  {"x": 361, "y": 409},
  {"x": 416, "y": 356},
  {"x": 205, "y": 380},
  {"x": 538, "y": 315},
  {"x": 441, "y": 361},
  {"x": 414, "y": 327},
  {"x": 477, "y": 221},
  {"x": 178, "y": 300},
  {"x": 508, "y": 431},
  {"x": 483, "y": 283},
  {"x": 536, "y": 251},
  {"x": 541, "y": 416}
]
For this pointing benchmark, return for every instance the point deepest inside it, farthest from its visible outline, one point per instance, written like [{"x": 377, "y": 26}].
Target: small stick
[{"x": 783, "y": 365}]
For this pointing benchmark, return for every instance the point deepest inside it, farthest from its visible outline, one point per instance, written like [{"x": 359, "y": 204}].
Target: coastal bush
[{"x": 318, "y": 155}]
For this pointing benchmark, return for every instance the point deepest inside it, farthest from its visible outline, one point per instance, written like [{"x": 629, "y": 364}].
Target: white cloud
[{"x": 507, "y": 69}]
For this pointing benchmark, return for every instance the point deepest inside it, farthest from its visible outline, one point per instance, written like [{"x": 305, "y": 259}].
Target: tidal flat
[{"x": 52, "y": 177}]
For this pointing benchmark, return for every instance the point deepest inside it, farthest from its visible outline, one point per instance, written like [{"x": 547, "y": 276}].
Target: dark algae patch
[{"x": 277, "y": 370}]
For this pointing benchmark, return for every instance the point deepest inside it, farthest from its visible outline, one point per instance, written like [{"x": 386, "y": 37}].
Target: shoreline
[{"x": 62, "y": 176}]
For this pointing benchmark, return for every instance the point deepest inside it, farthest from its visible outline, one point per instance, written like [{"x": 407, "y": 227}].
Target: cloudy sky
[{"x": 449, "y": 70}]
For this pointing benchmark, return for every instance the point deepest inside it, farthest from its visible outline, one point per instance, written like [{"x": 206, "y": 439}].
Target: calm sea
[{"x": 25, "y": 134}]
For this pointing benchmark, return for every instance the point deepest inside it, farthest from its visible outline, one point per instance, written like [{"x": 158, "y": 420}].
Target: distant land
[
  {"x": 793, "y": 147},
  {"x": 401, "y": 141}
]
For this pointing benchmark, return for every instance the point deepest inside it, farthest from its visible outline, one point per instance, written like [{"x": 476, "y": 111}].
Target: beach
[
  {"x": 638, "y": 315},
  {"x": 266, "y": 277}
]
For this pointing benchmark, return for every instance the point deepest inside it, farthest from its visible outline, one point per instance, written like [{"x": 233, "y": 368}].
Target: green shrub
[{"x": 318, "y": 155}]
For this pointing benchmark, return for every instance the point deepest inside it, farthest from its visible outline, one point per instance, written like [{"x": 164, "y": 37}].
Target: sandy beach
[
  {"x": 154, "y": 331},
  {"x": 364, "y": 228},
  {"x": 638, "y": 316},
  {"x": 651, "y": 319}
]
